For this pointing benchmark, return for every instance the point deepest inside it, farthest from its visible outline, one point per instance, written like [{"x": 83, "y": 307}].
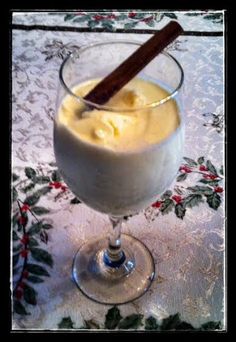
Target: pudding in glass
[
  {"x": 117, "y": 161},
  {"x": 116, "y": 158}
]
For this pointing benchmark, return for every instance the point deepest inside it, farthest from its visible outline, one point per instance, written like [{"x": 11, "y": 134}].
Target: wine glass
[{"x": 118, "y": 268}]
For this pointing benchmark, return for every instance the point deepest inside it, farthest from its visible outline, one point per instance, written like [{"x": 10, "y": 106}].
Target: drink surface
[
  {"x": 121, "y": 130},
  {"x": 115, "y": 162}
]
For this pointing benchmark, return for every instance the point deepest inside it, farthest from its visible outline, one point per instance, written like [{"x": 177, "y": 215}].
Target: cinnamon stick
[{"x": 116, "y": 80}]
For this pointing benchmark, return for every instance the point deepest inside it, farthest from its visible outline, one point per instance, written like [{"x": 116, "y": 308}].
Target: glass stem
[{"x": 114, "y": 256}]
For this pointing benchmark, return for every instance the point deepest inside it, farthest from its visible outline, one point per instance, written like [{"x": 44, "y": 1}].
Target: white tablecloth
[{"x": 188, "y": 251}]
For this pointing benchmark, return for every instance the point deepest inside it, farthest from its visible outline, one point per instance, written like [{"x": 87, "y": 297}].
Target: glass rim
[{"x": 117, "y": 109}]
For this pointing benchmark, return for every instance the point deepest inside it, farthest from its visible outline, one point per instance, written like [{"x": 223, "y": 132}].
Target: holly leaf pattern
[
  {"x": 56, "y": 177},
  {"x": 17, "y": 248},
  {"x": 43, "y": 191},
  {"x": 30, "y": 295},
  {"x": 170, "y": 15},
  {"x": 34, "y": 279},
  {"x": 42, "y": 179},
  {"x": 134, "y": 321},
  {"x": 150, "y": 23},
  {"x": 69, "y": 17},
  {"x": 15, "y": 219},
  {"x": 108, "y": 25},
  {"x": 131, "y": 322},
  {"x": 211, "y": 325},
  {"x": 19, "y": 308},
  {"x": 32, "y": 242},
  {"x": 184, "y": 326},
  {"x": 209, "y": 181},
  {"x": 30, "y": 271},
  {"x": 20, "y": 223},
  {"x": 81, "y": 19},
  {"x": 113, "y": 318},
  {"x": 44, "y": 236},
  {"x": 30, "y": 173},
  {"x": 166, "y": 195},
  {"x": 66, "y": 323},
  {"x": 14, "y": 177},
  {"x": 16, "y": 269},
  {"x": 215, "y": 18},
  {"x": 167, "y": 206},
  {"x": 121, "y": 17},
  {"x": 193, "y": 200},
  {"x": 33, "y": 199},
  {"x": 42, "y": 255},
  {"x": 151, "y": 323},
  {"x": 40, "y": 210},
  {"x": 47, "y": 226},
  {"x": 201, "y": 160},
  {"x": 214, "y": 201},
  {"x": 35, "y": 228},
  {"x": 14, "y": 194},
  {"x": 131, "y": 25},
  {"x": 211, "y": 168},
  {"x": 138, "y": 17},
  {"x": 205, "y": 190},
  {"x": 15, "y": 237},
  {"x": 190, "y": 161},
  {"x": 37, "y": 269},
  {"x": 91, "y": 324},
  {"x": 171, "y": 322},
  {"x": 28, "y": 187},
  {"x": 75, "y": 200},
  {"x": 180, "y": 210},
  {"x": 181, "y": 177},
  {"x": 92, "y": 23},
  {"x": 15, "y": 259}
]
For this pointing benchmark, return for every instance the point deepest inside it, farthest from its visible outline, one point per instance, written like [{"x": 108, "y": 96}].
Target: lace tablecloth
[{"x": 184, "y": 229}]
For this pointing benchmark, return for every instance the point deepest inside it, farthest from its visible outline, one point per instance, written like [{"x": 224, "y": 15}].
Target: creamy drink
[
  {"x": 119, "y": 156},
  {"x": 118, "y": 161}
]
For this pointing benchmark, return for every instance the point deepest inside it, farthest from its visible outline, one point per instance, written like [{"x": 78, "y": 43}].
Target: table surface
[{"x": 184, "y": 231}]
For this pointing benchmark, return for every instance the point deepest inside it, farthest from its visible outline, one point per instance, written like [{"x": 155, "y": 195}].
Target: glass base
[{"x": 113, "y": 285}]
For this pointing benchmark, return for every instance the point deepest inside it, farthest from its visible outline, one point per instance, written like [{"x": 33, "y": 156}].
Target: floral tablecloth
[{"x": 184, "y": 228}]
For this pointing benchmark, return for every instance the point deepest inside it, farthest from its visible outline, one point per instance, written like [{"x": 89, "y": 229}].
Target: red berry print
[
  {"x": 54, "y": 185},
  {"x": 25, "y": 274},
  {"x": 218, "y": 189},
  {"x": 18, "y": 294},
  {"x": 157, "y": 204},
  {"x": 212, "y": 177},
  {"x": 58, "y": 185},
  {"x": 25, "y": 239},
  {"x": 132, "y": 15},
  {"x": 25, "y": 208},
  {"x": 98, "y": 17},
  {"x": 203, "y": 168},
  {"x": 21, "y": 285},
  {"x": 111, "y": 16},
  {"x": 24, "y": 253},
  {"x": 185, "y": 169},
  {"x": 177, "y": 199},
  {"x": 22, "y": 220}
]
